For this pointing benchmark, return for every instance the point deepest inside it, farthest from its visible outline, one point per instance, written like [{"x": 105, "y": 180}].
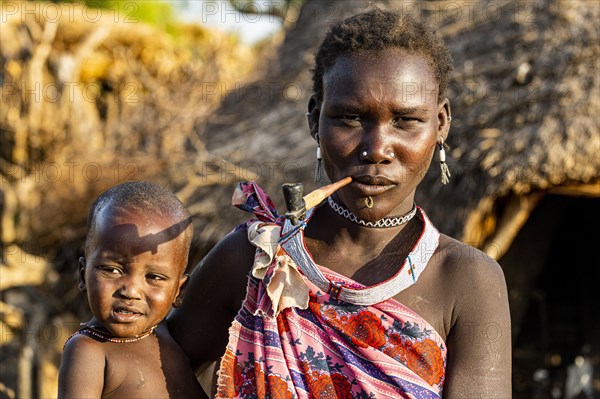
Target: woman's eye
[
  {"x": 402, "y": 121},
  {"x": 353, "y": 120}
]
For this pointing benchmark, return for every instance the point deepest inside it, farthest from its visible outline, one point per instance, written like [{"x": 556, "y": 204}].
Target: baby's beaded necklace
[{"x": 106, "y": 337}]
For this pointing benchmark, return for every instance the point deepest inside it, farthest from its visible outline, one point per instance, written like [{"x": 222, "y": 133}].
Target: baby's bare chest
[
  {"x": 148, "y": 373},
  {"x": 133, "y": 374}
]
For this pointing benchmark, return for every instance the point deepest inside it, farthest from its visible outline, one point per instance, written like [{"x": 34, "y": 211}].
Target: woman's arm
[
  {"x": 479, "y": 342},
  {"x": 82, "y": 367},
  {"x": 213, "y": 297}
]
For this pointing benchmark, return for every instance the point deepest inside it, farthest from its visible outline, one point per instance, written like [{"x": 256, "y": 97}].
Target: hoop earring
[
  {"x": 319, "y": 172},
  {"x": 445, "y": 175}
]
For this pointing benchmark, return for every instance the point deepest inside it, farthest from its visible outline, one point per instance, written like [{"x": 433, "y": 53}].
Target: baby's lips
[{"x": 125, "y": 314}]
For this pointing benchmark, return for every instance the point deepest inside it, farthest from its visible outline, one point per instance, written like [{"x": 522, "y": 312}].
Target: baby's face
[{"x": 133, "y": 270}]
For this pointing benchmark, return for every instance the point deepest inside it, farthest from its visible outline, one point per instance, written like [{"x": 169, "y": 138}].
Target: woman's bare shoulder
[
  {"x": 460, "y": 260},
  {"x": 233, "y": 254},
  {"x": 470, "y": 275},
  {"x": 212, "y": 298}
]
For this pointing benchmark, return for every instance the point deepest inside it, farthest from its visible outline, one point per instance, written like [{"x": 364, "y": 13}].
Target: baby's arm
[{"x": 81, "y": 369}]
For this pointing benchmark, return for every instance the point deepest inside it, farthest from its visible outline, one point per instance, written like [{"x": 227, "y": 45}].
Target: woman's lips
[{"x": 372, "y": 185}]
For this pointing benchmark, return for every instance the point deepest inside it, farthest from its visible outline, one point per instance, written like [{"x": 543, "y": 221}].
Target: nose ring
[{"x": 391, "y": 154}]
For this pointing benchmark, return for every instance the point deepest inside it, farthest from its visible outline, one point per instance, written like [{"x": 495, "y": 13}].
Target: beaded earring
[
  {"x": 445, "y": 175},
  {"x": 319, "y": 172}
]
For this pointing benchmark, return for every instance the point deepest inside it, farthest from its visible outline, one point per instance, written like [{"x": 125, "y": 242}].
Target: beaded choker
[
  {"x": 381, "y": 223},
  {"x": 107, "y": 337}
]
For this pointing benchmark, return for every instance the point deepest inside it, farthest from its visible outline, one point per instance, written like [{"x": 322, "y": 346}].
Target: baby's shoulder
[
  {"x": 81, "y": 368},
  {"x": 83, "y": 344}
]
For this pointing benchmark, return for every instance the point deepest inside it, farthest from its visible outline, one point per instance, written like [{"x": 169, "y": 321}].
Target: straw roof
[
  {"x": 90, "y": 102},
  {"x": 89, "y": 99},
  {"x": 526, "y": 105},
  {"x": 525, "y": 101}
]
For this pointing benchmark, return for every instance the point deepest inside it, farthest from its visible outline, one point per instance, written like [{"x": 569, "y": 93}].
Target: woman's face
[{"x": 379, "y": 122}]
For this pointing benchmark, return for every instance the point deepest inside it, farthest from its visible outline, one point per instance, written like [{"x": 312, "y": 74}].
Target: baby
[{"x": 136, "y": 252}]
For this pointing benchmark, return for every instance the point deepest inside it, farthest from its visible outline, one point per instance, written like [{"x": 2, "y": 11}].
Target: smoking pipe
[{"x": 297, "y": 205}]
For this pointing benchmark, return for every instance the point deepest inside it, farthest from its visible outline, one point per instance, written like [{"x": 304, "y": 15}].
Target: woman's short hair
[{"x": 380, "y": 30}]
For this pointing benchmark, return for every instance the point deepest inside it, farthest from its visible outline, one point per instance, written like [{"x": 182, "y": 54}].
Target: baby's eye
[
  {"x": 156, "y": 277},
  {"x": 109, "y": 269}
]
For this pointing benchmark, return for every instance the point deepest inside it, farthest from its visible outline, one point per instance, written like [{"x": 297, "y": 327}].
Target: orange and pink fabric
[{"x": 296, "y": 337}]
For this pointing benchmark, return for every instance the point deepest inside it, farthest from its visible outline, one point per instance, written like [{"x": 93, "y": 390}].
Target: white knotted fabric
[{"x": 284, "y": 284}]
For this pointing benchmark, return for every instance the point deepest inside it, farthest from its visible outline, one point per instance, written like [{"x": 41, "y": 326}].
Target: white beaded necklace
[{"x": 381, "y": 223}]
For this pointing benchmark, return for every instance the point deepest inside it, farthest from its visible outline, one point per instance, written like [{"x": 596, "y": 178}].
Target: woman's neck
[
  {"x": 363, "y": 253},
  {"x": 334, "y": 230}
]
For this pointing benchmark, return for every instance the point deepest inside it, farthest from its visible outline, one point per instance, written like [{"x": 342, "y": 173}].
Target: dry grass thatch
[
  {"x": 526, "y": 103},
  {"x": 88, "y": 104},
  {"x": 89, "y": 100}
]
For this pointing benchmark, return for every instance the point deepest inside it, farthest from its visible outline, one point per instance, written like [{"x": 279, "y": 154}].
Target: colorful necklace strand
[{"x": 106, "y": 337}]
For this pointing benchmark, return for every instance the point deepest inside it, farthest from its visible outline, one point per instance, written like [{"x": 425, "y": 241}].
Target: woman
[{"x": 366, "y": 299}]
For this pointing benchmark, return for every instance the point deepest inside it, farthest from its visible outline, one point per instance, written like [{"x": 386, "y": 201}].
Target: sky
[{"x": 221, "y": 14}]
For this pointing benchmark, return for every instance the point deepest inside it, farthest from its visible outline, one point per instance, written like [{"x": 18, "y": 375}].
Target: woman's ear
[
  {"x": 183, "y": 280},
  {"x": 82, "y": 287},
  {"x": 444, "y": 118},
  {"x": 313, "y": 115}
]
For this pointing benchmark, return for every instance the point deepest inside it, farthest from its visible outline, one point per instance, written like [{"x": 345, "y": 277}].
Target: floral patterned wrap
[{"x": 293, "y": 340}]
